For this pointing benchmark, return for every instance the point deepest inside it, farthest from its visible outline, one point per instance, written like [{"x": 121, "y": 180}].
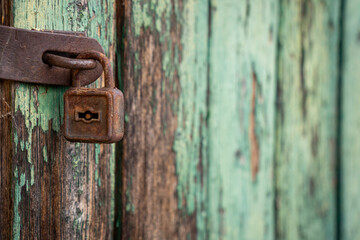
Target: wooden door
[
  {"x": 240, "y": 123},
  {"x": 241, "y": 119}
]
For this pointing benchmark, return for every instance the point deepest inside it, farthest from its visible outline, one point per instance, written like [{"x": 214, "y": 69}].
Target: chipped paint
[
  {"x": 210, "y": 71},
  {"x": 129, "y": 203},
  {"x": 45, "y": 157},
  {"x": 32, "y": 177},
  {"x": 17, "y": 198},
  {"x": 38, "y": 112},
  {"x": 307, "y": 102},
  {"x": 225, "y": 119},
  {"x": 190, "y": 137}
]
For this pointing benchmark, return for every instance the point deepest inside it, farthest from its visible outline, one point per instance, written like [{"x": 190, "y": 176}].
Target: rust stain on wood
[{"x": 252, "y": 134}]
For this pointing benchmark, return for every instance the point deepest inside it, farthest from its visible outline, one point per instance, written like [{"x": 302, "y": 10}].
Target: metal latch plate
[{"x": 21, "y": 54}]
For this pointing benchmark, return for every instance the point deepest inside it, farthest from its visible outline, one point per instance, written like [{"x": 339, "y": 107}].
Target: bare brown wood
[
  {"x": 5, "y": 12},
  {"x": 149, "y": 202},
  {"x": 6, "y": 202}
]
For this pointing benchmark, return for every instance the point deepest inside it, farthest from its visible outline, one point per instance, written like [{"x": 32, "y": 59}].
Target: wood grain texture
[
  {"x": 151, "y": 87},
  {"x": 242, "y": 82},
  {"x": 190, "y": 143},
  {"x": 231, "y": 125},
  {"x": 6, "y": 153},
  {"x": 199, "y": 83},
  {"x": 5, "y": 12},
  {"x": 350, "y": 124},
  {"x": 6, "y": 202},
  {"x": 307, "y": 119},
  {"x": 59, "y": 190}
]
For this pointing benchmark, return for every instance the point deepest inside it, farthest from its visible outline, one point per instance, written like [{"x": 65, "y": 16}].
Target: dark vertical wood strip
[
  {"x": 6, "y": 115},
  {"x": 119, "y": 59},
  {"x": 6, "y": 175},
  {"x": 152, "y": 50}
]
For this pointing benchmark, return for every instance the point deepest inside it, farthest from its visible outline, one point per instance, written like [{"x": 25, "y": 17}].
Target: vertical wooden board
[
  {"x": 190, "y": 142},
  {"x": 152, "y": 38},
  {"x": 59, "y": 189},
  {"x": 6, "y": 202},
  {"x": 307, "y": 119},
  {"x": 350, "y": 122},
  {"x": 165, "y": 85},
  {"x": 241, "y": 121},
  {"x": 188, "y": 113}
]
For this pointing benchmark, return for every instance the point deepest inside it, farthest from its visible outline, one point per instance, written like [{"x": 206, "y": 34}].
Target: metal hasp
[{"x": 22, "y": 55}]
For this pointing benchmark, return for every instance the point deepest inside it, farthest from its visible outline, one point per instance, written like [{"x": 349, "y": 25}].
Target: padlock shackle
[{"x": 105, "y": 63}]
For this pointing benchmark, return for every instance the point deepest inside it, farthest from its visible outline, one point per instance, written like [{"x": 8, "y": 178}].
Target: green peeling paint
[
  {"x": 126, "y": 118},
  {"x": 129, "y": 204},
  {"x": 97, "y": 153},
  {"x": 307, "y": 119},
  {"x": 41, "y": 107},
  {"x": 45, "y": 154},
  {"x": 190, "y": 137},
  {"x": 227, "y": 58},
  {"x": 141, "y": 16},
  {"x": 76, "y": 162},
  {"x": 32, "y": 177},
  {"x": 17, "y": 198},
  {"x": 242, "y": 83},
  {"x": 96, "y": 175}
]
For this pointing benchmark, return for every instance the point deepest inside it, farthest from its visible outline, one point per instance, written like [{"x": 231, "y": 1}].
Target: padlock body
[{"x": 94, "y": 115}]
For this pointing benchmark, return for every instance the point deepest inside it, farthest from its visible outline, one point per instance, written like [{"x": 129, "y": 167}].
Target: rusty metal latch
[
  {"x": 46, "y": 57},
  {"x": 91, "y": 115}
]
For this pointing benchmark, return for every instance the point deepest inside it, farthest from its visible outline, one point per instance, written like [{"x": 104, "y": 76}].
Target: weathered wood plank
[
  {"x": 6, "y": 203},
  {"x": 189, "y": 107},
  {"x": 152, "y": 50},
  {"x": 190, "y": 143},
  {"x": 350, "y": 122},
  {"x": 59, "y": 189},
  {"x": 307, "y": 119},
  {"x": 242, "y": 81}
]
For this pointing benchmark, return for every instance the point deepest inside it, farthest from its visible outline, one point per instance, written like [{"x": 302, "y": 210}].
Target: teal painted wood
[
  {"x": 307, "y": 119},
  {"x": 241, "y": 121},
  {"x": 199, "y": 81},
  {"x": 152, "y": 52},
  {"x": 60, "y": 189},
  {"x": 350, "y": 123},
  {"x": 191, "y": 137}
]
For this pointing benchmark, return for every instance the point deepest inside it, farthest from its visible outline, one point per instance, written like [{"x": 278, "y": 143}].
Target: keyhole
[{"x": 88, "y": 115}]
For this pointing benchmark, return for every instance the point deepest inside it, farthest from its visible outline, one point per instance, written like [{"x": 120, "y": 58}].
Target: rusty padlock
[{"x": 94, "y": 115}]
